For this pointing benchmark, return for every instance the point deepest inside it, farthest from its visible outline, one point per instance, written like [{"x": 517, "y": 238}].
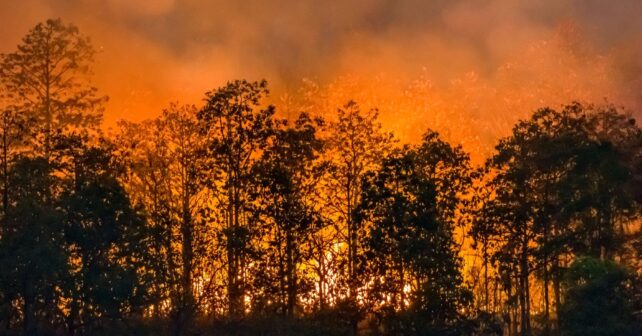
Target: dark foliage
[{"x": 227, "y": 220}]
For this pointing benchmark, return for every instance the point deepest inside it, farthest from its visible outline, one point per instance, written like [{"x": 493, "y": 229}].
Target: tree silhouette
[
  {"x": 225, "y": 219},
  {"x": 13, "y": 137},
  {"x": 165, "y": 160},
  {"x": 356, "y": 145},
  {"x": 48, "y": 79},
  {"x": 287, "y": 176},
  {"x": 408, "y": 208},
  {"x": 107, "y": 242},
  {"x": 235, "y": 129},
  {"x": 558, "y": 187},
  {"x": 32, "y": 249},
  {"x": 598, "y": 300}
]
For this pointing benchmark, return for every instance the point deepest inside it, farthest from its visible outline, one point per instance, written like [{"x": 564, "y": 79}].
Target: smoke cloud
[{"x": 420, "y": 61}]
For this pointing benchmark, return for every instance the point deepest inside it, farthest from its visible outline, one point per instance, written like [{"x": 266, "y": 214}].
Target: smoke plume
[{"x": 423, "y": 63}]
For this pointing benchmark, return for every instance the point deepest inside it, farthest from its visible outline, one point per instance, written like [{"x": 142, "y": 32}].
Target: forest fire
[{"x": 295, "y": 168}]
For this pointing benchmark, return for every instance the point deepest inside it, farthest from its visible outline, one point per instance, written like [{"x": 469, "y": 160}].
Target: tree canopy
[{"x": 231, "y": 217}]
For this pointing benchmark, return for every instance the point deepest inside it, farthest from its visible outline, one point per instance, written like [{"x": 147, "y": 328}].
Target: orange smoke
[{"x": 466, "y": 70}]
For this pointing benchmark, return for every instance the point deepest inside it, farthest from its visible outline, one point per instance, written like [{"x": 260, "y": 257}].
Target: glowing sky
[{"x": 156, "y": 51}]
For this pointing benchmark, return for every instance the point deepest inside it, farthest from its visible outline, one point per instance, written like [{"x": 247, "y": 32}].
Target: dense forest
[{"x": 229, "y": 219}]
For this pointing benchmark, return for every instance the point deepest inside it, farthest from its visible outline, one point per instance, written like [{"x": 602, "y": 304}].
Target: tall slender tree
[
  {"x": 287, "y": 175},
  {"x": 236, "y": 127},
  {"x": 165, "y": 157},
  {"x": 356, "y": 145},
  {"x": 48, "y": 77}
]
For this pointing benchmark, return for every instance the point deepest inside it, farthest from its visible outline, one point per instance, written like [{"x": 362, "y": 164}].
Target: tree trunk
[
  {"x": 187, "y": 253},
  {"x": 547, "y": 326},
  {"x": 351, "y": 253},
  {"x": 557, "y": 292},
  {"x": 291, "y": 276},
  {"x": 5, "y": 175},
  {"x": 511, "y": 311},
  {"x": 234, "y": 253},
  {"x": 524, "y": 292},
  {"x": 322, "y": 273},
  {"x": 47, "y": 107},
  {"x": 485, "y": 252}
]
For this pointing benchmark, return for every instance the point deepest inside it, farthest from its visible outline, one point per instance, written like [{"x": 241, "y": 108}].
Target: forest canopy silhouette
[{"x": 241, "y": 216}]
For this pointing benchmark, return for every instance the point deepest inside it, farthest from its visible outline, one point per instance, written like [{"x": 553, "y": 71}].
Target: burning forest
[{"x": 288, "y": 167}]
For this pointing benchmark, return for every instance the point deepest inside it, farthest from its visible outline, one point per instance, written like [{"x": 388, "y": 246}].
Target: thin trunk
[
  {"x": 524, "y": 294},
  {"x": 184, "y": 312},
  {"x": 485, "y": 252},
  {"x": 557, "y": 292},
  {"x": 495, "y": 290},
  {"x": 283, "y": 277},
  {"x": 350, "y": 233},
  {"x": 322, "y": 271},
  {"x": 168, "y": 247},
  {"x": 5, "y": 175},
  {"x": 238, "y": 255},
  {"x": 528, "y": 304},
  {"x": 48, "y": 116},
  {"x": 291, "y": 285},
  {"x": 351, "y": 258},
  {"x": 231, "y": 257},
  {"x": 402, "y": 284},
  {"x": 547, "y": 324},
  {"x": 511, "y": 314},
  {"x": 235, "y": 252}
]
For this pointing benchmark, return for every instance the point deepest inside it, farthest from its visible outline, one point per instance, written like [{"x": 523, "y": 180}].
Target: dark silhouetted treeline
[{"x": 228, "y": 219}]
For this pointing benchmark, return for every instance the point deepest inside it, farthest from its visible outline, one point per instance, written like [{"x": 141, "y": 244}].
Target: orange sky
[{"x": 466, "y": 68}]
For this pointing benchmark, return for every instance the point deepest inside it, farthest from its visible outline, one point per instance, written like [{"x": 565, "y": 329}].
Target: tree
[
  {"x": 107, "y": 241},
  {"x": 287, "y": 176},
  {"x": 235, "y": 129},
  {"x": 144, "y": 152},
  {"x": 409, "y": 211},
  {"x": 186, "y": 147},
  {"x": 164, "y": 157},
  {"x": 557, "y": 186},
  {"x": 607, "y": 171},
  {"x": 13, "y": 137},
  {"x": 356, "y": 145},
  {"x": 598, "y": 300},
  {"x": 47, "y": 78},
  {"x": 32, "y": 249}
]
